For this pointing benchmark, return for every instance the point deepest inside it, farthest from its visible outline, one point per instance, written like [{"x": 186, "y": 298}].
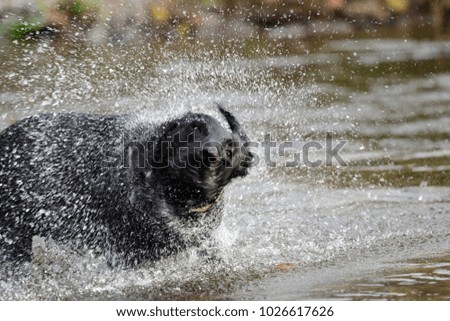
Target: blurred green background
[{"x": 100, "y": 19}]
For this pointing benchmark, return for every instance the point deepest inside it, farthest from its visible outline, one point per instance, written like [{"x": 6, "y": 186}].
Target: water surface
[{"x": 375, "y": 229}]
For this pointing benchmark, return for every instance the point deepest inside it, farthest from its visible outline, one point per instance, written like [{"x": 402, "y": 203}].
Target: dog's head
[{"x": 200, "y": 157}]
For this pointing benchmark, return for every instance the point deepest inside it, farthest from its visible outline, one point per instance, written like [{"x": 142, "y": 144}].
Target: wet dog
[{"x": 132, "y": 193}]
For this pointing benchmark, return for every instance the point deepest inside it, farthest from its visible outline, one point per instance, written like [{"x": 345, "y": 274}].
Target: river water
[{"x": 376, "y": 227}]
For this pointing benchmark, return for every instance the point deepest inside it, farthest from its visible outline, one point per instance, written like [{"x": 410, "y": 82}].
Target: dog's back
[{"x": 52, "y": 179}]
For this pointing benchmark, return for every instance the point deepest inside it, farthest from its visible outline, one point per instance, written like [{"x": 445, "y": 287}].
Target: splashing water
[{"x": 390, "y": 203}]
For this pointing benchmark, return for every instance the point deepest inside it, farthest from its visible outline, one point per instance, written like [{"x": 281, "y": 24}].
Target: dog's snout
[{"x": 247, "y": 159}]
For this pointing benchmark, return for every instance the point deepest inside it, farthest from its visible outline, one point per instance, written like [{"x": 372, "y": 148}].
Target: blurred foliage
[
  {"x": 78, "y": 8},
  {"x": 186, "y": 17},
  {"x": 82, "y": 12},
  {"x": 21, "y": 29}
]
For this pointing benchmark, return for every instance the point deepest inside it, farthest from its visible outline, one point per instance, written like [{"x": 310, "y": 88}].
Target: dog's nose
[{"x": 247, "y": 159}]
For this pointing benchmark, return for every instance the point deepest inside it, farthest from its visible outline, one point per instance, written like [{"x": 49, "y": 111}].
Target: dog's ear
[
  {"x": 168, "y": 128},
  {"x": 235, "y": 126},
  {"x": 244, "y": 141}
]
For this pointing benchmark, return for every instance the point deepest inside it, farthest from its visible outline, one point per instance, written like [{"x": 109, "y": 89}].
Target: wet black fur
[{"x": 62, "y": 177}]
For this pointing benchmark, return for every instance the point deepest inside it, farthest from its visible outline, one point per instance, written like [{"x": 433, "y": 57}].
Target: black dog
[{"x": 130, "y": 192}]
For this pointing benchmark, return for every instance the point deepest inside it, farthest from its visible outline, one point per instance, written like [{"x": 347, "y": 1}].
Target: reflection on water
[
  {"x": 388, "y": 98},
  {"x": 412, "y": 280}
]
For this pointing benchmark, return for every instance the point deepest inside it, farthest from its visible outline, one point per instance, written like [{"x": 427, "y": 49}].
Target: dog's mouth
[{"x": 199, "y": 210}]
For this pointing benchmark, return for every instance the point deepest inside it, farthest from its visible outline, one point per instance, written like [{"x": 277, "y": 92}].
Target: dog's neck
[{"x": 189, "y": 201}]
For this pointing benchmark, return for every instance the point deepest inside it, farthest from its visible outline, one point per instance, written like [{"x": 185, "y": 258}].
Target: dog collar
[
  {"x": 204, "y": 208},
  {"x": 201, "y": 209}
]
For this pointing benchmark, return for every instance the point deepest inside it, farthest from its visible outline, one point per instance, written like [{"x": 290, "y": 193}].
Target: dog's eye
[{"x": 229, "y": 153}]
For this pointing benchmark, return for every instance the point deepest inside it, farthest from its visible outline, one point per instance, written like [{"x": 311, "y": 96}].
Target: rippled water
[
  {"x": 375, "y": 229},
  {"x": 425, "y": 279}
]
